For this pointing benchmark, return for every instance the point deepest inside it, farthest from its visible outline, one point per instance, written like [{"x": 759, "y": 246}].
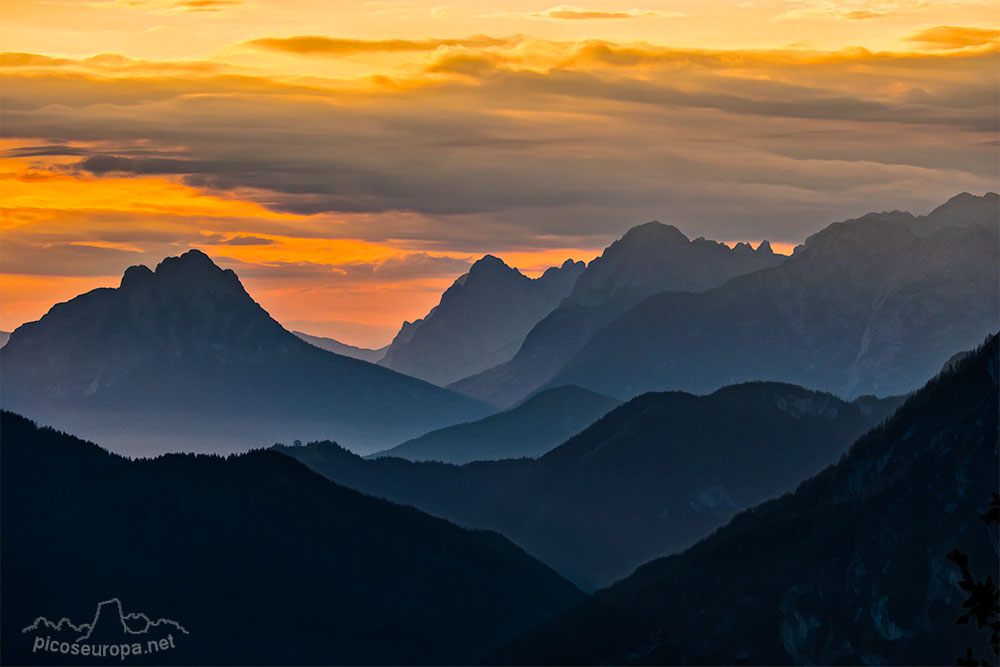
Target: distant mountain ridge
[
  {"x": 541, "y": 423},
  {"x": 648, "y": 478},
  {"x": 648, "y": 259},
  {"x": 183, "y": 358},
  {"x": 868, "y": 306},
  {"x": 260, "y": 560},
  {"x": 335, "y": 346},
  {"x": 480, "y": 321},
  {"x": 851, "y": 568}
]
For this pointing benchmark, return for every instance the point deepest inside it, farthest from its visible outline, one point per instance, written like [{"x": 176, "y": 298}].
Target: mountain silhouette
[
  {"x": 4, "y": 337},
  {"x": 182, "y": 358},
  {"x": 874, "y": 305},
  {"x": 542, "y": 422},
  {"x": 851, "y": 568},
  {"x": 649, "y": 258},
  {"x": 648, "y": 478},
  {"x": 259, "y": 559},
  {"x": 335, "y": 346},
  {"x": 480, "y": 322}
]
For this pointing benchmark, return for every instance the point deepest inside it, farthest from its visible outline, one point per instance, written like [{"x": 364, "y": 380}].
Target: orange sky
[{"x": 349, "y": 160}]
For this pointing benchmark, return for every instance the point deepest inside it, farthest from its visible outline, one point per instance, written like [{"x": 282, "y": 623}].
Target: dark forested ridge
[
  {"x": 851, "y": 568},
  {"x": 182, "y": 357},
  {"x": 542, "y": 422},
  {"x": 647, "y": 479},
  {"x": 261, "y": 560}
]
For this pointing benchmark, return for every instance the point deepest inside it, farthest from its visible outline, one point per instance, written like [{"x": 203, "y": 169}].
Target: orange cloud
[
  {"x": 347, "y": 205},
  {"x": 329, "y": 46},
  {"x": 955, "y": 37},
  {"x": 569, "y": 12}
]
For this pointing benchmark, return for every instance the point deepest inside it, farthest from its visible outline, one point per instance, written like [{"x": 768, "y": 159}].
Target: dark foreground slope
[
  {"x": 648, "y": 479},
  {"x": 258, "y": 558},
  {"x": 544, "y": 421},
  {"x": 850, "y": 569},
  {"x": 183, "y": 357}
]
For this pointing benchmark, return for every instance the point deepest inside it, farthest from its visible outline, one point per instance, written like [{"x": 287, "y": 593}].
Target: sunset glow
[{"x": 350, "y": 160}]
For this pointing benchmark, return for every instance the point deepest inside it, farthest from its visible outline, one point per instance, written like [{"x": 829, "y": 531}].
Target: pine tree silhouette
[{"x": 982, "y": 603}]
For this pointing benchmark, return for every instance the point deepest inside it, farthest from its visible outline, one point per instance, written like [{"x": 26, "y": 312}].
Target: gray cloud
[
  {"x": 555, "y": 158},
  {"x": 243, "y": 239},
  {"x": 70, "y": 259},
  {"x": 402, "y": 267}
]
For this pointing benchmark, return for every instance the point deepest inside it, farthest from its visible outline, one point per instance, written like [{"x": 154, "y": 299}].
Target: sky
[{"x": 349, "y": 160}]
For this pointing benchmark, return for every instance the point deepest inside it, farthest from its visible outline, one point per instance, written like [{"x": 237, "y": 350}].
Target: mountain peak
[
  {"x": 963, "y": 210},
  {"x": 193, "y": 271},
  {"x": 192, "y": 260},
  {"x": 490, "y": 266},
  {"x": 654, "y": 230},
  {"x": 135, "y": 276},
  {"x": 489, "y": 262}
]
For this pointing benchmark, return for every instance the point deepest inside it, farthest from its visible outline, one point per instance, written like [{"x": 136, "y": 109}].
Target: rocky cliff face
[
  {"x": 480, "y": 322},
  {"x": 648, "y": 259}
]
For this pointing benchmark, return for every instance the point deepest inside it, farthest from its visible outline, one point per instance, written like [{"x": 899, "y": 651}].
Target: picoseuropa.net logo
[{"x": 112, "y": 634}]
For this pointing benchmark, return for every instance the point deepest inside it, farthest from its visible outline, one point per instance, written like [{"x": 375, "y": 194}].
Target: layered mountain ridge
[
  {"x": 648, "y": 259},
  {"x": 335, "y": 346},
  {"x": 648, "y": 478},
  {"x": 851, "y": 568},
  {"x": 874, "y": 305},
  {"x": 182, "y": 358},
  {"x": 480, "y": 321},
  {"x": 530, "y": 429}
]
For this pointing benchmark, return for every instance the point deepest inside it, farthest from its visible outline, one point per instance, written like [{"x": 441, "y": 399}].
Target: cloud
[
  {"x": 399, "y": 267},
  {"x": 955, "y": 37},
  {"x": 865, "y": 14},
  {"x": 64, "y": 259},
  {"x": 244, "y": 239},
  {"x": 486, "y": 150},
  {"x": 568, "y": 12},
  {"x": 310, "y": 45},
  {"x": 854, "y": 10},
  {"x": 205, "y": 5}
]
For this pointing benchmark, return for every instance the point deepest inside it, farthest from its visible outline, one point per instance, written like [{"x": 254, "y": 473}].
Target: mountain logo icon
[{"x": 111, "y": 633}]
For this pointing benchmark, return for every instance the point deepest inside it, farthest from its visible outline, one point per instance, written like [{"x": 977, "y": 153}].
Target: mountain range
[
  {"x": 335, "y": 346},
  {"x": 874, "y": 305},
  {"x": 541, "y": 423},
  {"x": 851, "y": 568},
  {"x": 261, "y": 560},
  {"x": 181, "y": 359},
  {"x": 648, "y": 259},
  {"x": 480, "y": 322},
  {"x": 648, "y": 478}
]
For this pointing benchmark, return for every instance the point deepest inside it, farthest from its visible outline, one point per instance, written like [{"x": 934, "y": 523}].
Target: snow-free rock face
[
  {"x": 648, "y": 259},
  {"x": 874, "y": 305},
  {"x": 654, "y": 257},
  {"x": 480, "y": 322},
  {"x": 141, "y": 367}
]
